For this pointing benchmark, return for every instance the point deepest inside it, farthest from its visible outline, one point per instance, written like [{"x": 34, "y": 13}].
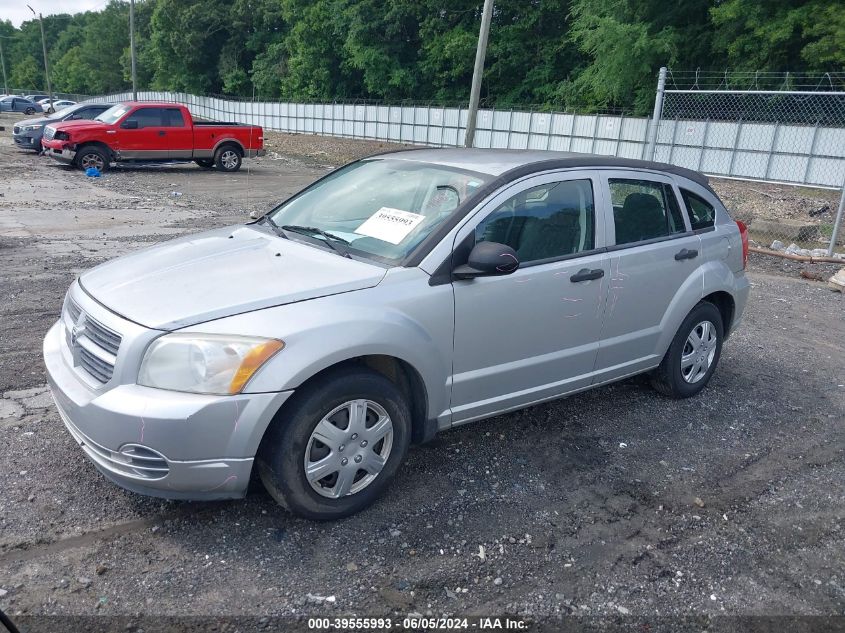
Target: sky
[{"x": 16, "y": 11}]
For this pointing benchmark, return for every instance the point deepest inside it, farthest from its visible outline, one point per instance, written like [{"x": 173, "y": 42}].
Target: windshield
[
  {"x": 384, "y": 207},
  {"x": 113, "y": 114}
]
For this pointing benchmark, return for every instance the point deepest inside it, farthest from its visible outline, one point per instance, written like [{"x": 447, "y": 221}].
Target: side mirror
[
  {"x": 129, "y": 125},
  {"x": 488, "y": 259}
]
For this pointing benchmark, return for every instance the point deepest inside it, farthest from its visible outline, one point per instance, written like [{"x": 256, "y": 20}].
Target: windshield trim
[{"x": 367, "y": 255}]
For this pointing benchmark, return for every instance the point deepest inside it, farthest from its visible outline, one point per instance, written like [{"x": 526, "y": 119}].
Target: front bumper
[
  {"x": 157, "y": 442},
  {"x": 63, "y": 155},
  {"x": 27, "y": 142}
]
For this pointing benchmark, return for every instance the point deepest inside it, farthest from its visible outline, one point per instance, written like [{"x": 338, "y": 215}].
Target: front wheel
[
  {"x": 29, "y": 111},
  {"x": 336, "y": 445},
  {"x": 693, "y": 355},
  {"x": 92, "y": 157},
  {"x": 228, "y": 158}
]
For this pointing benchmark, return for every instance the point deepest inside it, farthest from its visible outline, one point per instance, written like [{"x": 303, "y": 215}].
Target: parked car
[
  {"x": 152, "y": 132},
  {"x": 27, "y": 133},
  {"x": 55, "y": 105},
  {"x": 37, "y": 97},
  {"x": 19, "y": 104},
  {"x": 396, "y": 297}
]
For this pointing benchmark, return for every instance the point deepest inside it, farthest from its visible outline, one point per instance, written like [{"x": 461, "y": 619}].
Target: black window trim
[{"x": 703, "y": 229}]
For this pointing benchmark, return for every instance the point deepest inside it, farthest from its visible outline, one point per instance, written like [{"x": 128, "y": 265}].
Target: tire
[
  {"x": 205, "y": 163},
  {"x": 670, "y": 379},
  {"x": 92, "y": 156},
  {"x": 290, "y": 444},
  {"x": 228, "y": 158},
  {"x": 29, "y": 111}
]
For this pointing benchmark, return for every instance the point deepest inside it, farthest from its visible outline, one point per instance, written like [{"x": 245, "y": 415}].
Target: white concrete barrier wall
[{"x": 799, "y": 154}]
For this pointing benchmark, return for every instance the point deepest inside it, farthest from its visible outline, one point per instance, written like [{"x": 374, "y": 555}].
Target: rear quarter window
[{"x": 702, "y": 214}]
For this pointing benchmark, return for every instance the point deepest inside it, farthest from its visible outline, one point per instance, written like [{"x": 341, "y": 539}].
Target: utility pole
[
  {"x": 44, "y": 49},
  {"x": 3, "y": 64},
  {"x": 132, "y": 48},
  {"x": 480, "y": 54}
]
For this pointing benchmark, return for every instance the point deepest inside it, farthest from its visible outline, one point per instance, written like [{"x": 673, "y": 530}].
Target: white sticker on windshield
[{"x": 390, "y": 225}]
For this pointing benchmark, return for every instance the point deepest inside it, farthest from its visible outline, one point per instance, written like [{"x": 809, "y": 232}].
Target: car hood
[
  {"x": 78, "y": 124},
  {"x": 41, "y": 121},
  {"x": 220, "y": 273}
]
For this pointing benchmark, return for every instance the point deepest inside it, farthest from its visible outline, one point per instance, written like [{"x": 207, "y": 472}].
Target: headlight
[
  {"x": 31, "y": 128},
  {"x": 205, "y": 363}
]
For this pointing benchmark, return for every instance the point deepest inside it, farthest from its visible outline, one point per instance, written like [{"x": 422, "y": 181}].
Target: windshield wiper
[
  {"x": 275, "y": 227},
  {"x": 329, "y": 238}
]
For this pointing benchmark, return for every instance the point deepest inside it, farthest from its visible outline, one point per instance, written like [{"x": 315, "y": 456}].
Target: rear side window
[
  {"x": 88, "y": 113},
  {"x": 644, "y": 210},
  {"x": 174, "y": 118},
  {"x": 701, "y": 213},
  {"x": 544, "y": 222},
  {"x": 148, "y": 117}
]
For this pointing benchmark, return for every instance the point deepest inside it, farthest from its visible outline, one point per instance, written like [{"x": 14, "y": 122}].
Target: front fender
[{"x": 384, "y": 320}]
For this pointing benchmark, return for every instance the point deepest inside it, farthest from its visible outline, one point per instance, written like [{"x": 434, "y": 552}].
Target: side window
[
  {"x": 88, "y": 113},
  {"x": 148, "y": 117},
  {"x": 174, "y": 118},
  {"x": 644, "y": 210},
  {"x": 544, "y": 222},
  {"x": 702, "y": 215}
]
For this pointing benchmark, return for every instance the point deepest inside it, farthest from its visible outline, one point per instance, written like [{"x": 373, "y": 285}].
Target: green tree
[
  {"x": 26, "y": 74},
  {"x": 778, "y": 35}
]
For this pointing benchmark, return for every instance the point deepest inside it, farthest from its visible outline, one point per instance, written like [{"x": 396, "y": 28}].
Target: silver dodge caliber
[{"x": 396, "y": 297}]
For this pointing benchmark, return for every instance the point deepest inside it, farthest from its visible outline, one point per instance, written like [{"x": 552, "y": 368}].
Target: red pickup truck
[{"x": 152, "y": 132}]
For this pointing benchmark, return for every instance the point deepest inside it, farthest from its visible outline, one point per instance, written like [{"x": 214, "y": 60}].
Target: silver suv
[{"x": 394, "y": 298}]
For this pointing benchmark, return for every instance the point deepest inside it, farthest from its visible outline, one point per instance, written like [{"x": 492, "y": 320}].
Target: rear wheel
[
  {"x": 92, "y": 157},
  {"x": 336, "y": 445},
  {"x": 29, "y": 110},
  {"x": 692, "y": 357},
  {"x": 228, "y": 158},
  {"x": 205, "y": 163}
]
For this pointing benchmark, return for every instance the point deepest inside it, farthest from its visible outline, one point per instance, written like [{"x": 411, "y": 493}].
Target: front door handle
[
  {"x": 685, "y": 253},
  {"x": 585, "y": 274},
  {"x": 161, "y": 132}
]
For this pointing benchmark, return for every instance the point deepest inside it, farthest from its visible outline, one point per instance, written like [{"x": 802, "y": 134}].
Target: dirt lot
[{"x": 612, "y": 502}]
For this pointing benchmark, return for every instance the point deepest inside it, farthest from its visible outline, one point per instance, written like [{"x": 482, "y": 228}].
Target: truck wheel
[
  {"x": 228, "y": 158},
  {"x": 205, "y": 163},
  {"x": 92, "y": 157},
  {"x": 336, "y": 444},
  {"x": 693, "y": 355}
]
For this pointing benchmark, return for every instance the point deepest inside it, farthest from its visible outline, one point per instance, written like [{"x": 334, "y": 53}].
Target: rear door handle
[
  {"x": 585, "y": 274},
  {"x": 685, "y": 253},
  {"x": 161, "y": 132}
]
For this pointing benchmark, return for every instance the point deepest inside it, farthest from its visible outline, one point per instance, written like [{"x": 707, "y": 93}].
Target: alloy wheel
[{"x": 229, "y": 158}]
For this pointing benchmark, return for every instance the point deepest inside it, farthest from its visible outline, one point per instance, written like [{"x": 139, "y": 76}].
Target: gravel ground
[{"x": 609, "y": 503}]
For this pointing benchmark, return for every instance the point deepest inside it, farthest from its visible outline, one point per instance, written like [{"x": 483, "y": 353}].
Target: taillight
[{"x": 743, "y": 233}]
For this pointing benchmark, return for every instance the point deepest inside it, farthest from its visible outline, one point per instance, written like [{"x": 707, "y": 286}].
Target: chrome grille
[
  {"x": 74, "y": 311},
  {"x": 49, "y": 133},
  {"x": 94, "y": 346},
  {"x": 102, "y": 336},
  {"x": 98, "y": 368}
]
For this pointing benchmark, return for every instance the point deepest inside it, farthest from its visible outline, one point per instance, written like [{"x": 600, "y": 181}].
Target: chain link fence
[{"x": 769, "y": 128}]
